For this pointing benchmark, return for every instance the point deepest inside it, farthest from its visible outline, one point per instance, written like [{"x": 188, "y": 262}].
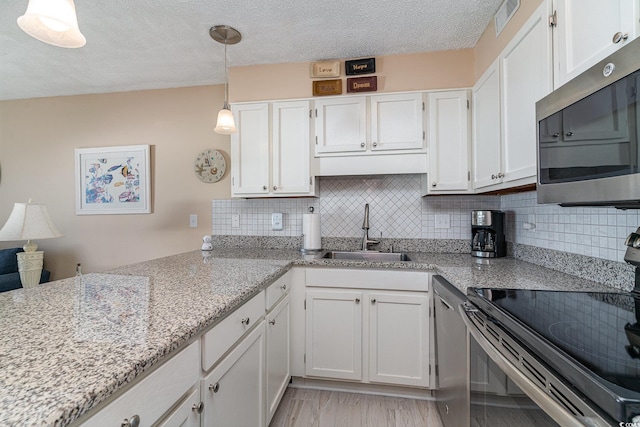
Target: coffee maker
[{"x": 487, "y": 234}]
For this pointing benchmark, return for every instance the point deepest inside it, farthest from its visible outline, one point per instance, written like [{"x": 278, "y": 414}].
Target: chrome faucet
[{"x": 365, "y": 226}]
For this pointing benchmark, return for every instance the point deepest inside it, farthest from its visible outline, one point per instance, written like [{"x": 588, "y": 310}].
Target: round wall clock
[{"x": 210, "y": 166}]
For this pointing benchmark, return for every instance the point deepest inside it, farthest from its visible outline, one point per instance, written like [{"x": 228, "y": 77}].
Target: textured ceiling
[{"x": 149, "y": 44}]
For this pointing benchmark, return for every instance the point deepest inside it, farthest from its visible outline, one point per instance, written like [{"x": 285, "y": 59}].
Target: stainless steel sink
[{"x": 368, "y": 256}]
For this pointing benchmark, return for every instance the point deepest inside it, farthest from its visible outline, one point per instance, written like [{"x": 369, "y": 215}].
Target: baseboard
[{"x": 352, "y": 387}]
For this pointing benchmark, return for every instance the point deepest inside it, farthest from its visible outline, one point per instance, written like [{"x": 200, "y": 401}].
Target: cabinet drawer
[
  {"x": 221, "y": 338},
  {"x": 155, "y": 394},
  {"x": 404, "y": 280},
  {"x": 276, "y": 290}
]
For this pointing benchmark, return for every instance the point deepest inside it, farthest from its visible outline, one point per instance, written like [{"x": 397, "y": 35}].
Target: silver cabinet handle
[
  {"x": 373, "y": 301},
  {"x": 557, "y": 134},
  {"x": 569, "y": 133},
  {"x": 133, "y": 422},
  {"x": 375, "y": 144},
  {"x": 357, "y": 300},
  {"x": 245, "y": 321},
  {"x": 493, "y": 176},
  {"x": 618, "y": 37},
  {"x": 214, "y": 387},
  {"x": 275, "y": 188},
  {"x": 283, "y": 287},
  {"x": 198, "y": 407},
  {"x": 272, "y": 322},
  {"x": 264, "y": 187},
  {"x": 433, "y": 184},
  {"x": 500, "y": 175},
  {"x": 362, "y": 144}
]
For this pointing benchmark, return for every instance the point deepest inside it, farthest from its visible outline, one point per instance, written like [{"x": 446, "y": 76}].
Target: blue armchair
[{"x": 9, "y": 276}]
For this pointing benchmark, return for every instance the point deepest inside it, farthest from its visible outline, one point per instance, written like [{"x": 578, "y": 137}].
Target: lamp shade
[
  {"x": 29, "y": 221},
  {"x": 225, "y": 124},
  {"x": 53, "y": 22}
]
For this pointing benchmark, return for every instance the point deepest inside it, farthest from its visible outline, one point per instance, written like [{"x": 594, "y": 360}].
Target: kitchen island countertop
[{"x": 68, "y": 345}]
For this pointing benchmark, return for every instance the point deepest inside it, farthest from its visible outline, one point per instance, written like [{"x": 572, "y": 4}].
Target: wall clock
[{"x": 210, "y": 166}]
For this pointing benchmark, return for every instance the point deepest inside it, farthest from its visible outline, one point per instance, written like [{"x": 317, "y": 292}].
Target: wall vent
[{"x": 504, "y": 14}]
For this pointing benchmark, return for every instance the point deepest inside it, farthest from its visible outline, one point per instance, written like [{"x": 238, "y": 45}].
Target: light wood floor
[{"x": 320, "y": 408}]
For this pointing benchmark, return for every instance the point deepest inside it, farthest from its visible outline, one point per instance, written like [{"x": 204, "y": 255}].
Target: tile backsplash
[{"x": 397, "y": 210}]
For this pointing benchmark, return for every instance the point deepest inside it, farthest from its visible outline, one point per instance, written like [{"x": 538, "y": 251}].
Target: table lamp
[{"x": 29, "y": 221}]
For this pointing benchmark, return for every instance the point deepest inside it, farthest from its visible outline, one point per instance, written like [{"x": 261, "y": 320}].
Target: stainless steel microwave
[{"x": 587, "y": 136}]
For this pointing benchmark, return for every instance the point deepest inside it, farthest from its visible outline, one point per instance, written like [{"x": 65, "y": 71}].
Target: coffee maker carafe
[{"x": 487, "y": 234}]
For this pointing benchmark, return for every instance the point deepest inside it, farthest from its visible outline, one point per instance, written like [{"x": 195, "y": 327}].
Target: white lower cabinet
[
  {"x": 233, "y": 393},
  {"x": 371, "y": 336},
  {"x": 278, "y": 361}
]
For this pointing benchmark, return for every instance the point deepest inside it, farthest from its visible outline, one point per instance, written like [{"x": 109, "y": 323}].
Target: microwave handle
[{"x": 539, "y": 396}]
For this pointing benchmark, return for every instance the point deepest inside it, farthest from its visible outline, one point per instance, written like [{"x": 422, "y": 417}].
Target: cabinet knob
[
  {"x": 433, "y": 184},
  {"x": 500, "y": 175},
  {"x": 214, "y": 387},
  {"x": 133, "y": 422},
  {"x": 362, "y": 144},
  {"x": 245, "y": 321},
  {"x": 357, "y": 300},
  {"x": 569, "y": 134},
  {"x": 557, "y": 134},
  {"x": 275, "y": 188},
  {"x": 375, "y": 144},
  {"x": 283, "y": 287},
  {"x": 494, "y": 176},
  {"x": 198, "y": 407},
  {"x": 272, "y": 322},
  {"x": 373, "y": 301},
  {"x": 618, "y": 37},
  {"x": 264, "y": 187}
]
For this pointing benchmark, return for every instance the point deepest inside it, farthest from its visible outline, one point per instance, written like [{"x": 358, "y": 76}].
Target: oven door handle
[{"x": 539, "y": 396}]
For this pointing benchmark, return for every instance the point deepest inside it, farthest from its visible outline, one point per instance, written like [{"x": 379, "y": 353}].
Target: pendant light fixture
[
  {"x": 226, "y": 35},
  {"x": 53, "y": 22}
]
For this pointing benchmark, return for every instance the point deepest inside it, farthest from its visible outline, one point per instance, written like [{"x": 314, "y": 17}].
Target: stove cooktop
[{"x": 590, "y": 339}]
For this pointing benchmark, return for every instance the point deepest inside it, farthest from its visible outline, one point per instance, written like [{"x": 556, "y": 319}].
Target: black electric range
[{"x": 591, "y": 340}]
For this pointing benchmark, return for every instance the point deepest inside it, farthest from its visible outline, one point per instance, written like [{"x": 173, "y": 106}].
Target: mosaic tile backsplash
[{"x": 397, "y": 210}]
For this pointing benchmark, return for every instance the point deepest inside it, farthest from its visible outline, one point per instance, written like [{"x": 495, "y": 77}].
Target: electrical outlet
[
  {"x": 443, "y": 221},
  {"x": 235, "y": 221},
  {"x": 193, "y": 221},
  {"x": 276, "y": 221}
]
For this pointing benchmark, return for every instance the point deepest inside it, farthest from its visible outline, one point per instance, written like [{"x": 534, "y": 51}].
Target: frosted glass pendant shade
[
  {"x": 225, "y": 124},
  {"x": 53, "y": 22}
]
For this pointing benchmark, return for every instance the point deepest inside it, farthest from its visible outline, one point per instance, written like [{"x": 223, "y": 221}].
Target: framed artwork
[{"x": 113, "y": 180}]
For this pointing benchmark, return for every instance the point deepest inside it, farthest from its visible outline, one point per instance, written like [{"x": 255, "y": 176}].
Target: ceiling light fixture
[
  {"x": 226, "y": 35},
  {"x": 53, "y": 22}
]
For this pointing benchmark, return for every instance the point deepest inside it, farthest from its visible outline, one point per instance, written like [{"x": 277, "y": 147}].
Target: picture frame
[{"x": 113, "y": 180}]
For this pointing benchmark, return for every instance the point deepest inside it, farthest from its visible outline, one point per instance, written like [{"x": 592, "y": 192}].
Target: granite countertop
[{"x": 68, "y": 345}]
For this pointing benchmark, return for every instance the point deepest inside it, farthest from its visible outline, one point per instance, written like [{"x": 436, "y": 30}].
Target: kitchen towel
[{"x": 311, "y": 231}]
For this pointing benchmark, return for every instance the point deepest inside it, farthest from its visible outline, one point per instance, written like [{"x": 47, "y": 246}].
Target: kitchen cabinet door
[
  {"x": 278, "y": 345},
  {"x": 341, "y": 125},
  {"x": 487, "y": 142},
  {"x": 250, "y": 158},
  {"x": 334, "y": 334},
  {"x": 584, "y": 33},
  {"x": 525, "y": 68},
  {"x": 448, "y": 142},
  {"x": 399, "y": 338},
  {"x": 187, "y": 414},
  {"x": 292, "y": 162},
  {"x": 396, "y": 122},
  {"x": 233, "y": 393}
]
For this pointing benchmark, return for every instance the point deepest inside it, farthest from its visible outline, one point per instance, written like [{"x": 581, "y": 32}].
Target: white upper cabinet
[
  {"x": 448, "y": 142},
  {"x": 396, "y": 122},
  {"x": 586, "y": 31},
  {"x": 270, "y": 153},
  {"x": 250, "y": 168},
  {"x": 487, "y": 142},
  {"x": 341, "y": 125},
  {"x": 525, "y": 68}
]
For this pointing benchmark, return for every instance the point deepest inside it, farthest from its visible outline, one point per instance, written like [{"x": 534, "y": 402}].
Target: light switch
[
  {"x": 193, "y": 221},
  {"x": 276, "y": 221}
]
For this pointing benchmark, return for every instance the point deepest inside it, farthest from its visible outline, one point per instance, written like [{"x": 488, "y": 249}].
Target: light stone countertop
[{"x": 68, "y": 345}]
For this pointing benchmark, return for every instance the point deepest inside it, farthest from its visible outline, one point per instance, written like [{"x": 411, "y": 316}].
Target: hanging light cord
[{"x": 226, "y": 78}]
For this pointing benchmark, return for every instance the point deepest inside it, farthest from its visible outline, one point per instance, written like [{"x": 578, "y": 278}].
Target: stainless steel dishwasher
[{"x": 452, "y": 366}]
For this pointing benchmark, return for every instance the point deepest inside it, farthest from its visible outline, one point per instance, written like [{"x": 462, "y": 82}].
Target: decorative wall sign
[
  {"x": 327, "y": 87},
  {"x": 113, "y": 180},
  {"x": 362, "y": 84},
  {"x": 325, "y": 69},
  {"x": 360, "y": 66}
]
